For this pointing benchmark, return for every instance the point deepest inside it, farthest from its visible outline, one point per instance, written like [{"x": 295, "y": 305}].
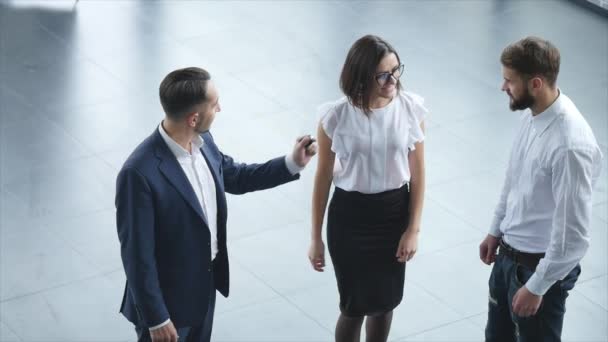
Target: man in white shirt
[
  {"x": 542, "y": 219},
  {"x": 171, "y": 212}
]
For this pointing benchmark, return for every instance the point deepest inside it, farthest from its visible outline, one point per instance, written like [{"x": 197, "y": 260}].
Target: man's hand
[
  {"x": 166, "y": 333},
  {"x": 487, "y": 249},
  {"x": 525, "y": 303},
  {"x": 304, "y": 150}
]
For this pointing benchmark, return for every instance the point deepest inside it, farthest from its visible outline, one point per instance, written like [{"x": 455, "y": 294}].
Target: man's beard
[
  {"x": 524, "y": 102},
  {"x": 199, "y": 128}
]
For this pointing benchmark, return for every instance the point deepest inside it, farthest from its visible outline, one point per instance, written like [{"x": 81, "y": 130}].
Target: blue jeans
[{"x": 504, "y": 326}]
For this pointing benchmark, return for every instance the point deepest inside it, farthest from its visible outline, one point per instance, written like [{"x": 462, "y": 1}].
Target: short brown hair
[
  {"x": 182, "y": 90},
  {"x": 357, "y": 77},
  {"x": 533, "y": 56}
]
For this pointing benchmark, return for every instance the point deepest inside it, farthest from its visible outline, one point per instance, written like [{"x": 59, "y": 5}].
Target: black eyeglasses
[{"x": 383, "y": 77}]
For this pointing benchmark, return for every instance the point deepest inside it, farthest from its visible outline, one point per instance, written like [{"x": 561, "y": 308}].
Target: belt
[{"x": 529, "y": 260}]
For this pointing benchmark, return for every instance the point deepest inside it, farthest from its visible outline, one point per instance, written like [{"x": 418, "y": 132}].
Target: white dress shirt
[
  {"x": 199, "y": 175},
  {"x": 372, "y": 150},
  {"x": 545, "y": 205}
]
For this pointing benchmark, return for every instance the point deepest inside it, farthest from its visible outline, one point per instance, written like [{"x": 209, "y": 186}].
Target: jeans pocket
[
  {"x": 522, "y": 274},
  {"x": 568, "y": 282}
]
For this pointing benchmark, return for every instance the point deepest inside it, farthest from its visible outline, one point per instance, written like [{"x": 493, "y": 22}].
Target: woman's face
[{"x": 387, "y": 76}]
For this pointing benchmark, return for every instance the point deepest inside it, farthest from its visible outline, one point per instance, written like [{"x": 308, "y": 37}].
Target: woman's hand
[
  {"x": 316, "y": 255},
  {"x": 408, "y": 245}
]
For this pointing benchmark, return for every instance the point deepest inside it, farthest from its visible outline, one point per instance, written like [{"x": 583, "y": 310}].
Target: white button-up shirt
[
  {"x": 545, "y": 205},
  {"x": 372, "y": 150},
  {"x": 199, "y": 175}
]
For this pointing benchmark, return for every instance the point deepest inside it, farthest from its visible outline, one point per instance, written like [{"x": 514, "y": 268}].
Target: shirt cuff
[
  {"x": 495, "y": 227},
  {"x": 292, "y": 166},
  {"x": 160, "y": 325},
  {"x": 538, "y": 285}
]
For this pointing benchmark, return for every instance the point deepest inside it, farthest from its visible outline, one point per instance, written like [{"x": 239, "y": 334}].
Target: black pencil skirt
[{"x": 363, "y": 233}]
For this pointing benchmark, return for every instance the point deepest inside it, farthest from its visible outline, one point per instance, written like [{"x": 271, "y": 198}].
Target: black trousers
[{"x": 200, "y": 333}]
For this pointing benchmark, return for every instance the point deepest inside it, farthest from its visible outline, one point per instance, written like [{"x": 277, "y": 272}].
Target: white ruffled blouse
[{"x": 372, "y": 150}]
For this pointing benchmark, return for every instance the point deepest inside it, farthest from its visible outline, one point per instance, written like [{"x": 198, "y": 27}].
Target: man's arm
[
  {"x": 501, "y": 207},
  {"x": 489, "y": 245},
  {"x": 572, "y": 193},
  {"x": 135, "y": 225},
  {"x": 240, "y": 178}
]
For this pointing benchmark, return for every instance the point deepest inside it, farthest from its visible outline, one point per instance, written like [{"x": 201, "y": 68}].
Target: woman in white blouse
[{"x": 371, "y": 147}]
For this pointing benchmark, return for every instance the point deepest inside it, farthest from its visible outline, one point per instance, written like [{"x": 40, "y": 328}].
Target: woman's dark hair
[{"x": 357, "y": 77}]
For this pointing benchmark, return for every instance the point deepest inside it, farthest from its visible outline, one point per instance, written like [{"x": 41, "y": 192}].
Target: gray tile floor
[{"x": 78, "y": 90}]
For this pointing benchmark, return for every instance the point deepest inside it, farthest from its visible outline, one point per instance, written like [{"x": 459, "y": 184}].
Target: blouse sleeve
[
  {"x": 328, "y": 118},
  {"x": 417, "y": 115}
]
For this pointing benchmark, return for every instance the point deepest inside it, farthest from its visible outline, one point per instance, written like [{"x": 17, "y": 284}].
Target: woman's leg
[
  {"x": 348, "y": 329},
  {"x": 378, "y": 326}
]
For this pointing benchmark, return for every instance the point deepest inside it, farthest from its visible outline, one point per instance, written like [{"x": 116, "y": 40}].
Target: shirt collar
[
  {"x": 176, "y": 148},
  {"x": 543, "y": 120}
]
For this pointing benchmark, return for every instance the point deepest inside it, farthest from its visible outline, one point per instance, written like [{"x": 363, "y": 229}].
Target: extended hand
[{"x": 304, "y": 150}]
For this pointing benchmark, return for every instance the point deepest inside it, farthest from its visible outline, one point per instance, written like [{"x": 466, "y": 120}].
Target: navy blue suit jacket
[{"x": 163, "y": 233}]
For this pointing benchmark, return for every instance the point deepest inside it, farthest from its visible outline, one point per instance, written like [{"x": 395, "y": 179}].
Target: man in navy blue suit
[{"x": 171, "y": 212}]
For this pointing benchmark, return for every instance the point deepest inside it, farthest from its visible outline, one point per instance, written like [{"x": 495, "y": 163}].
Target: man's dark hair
[
  {"x": 531, "y": 57},
  {"x": 182, "y": 90}
]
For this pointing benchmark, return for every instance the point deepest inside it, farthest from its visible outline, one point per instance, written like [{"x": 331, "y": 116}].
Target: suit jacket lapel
[
  {"x": 212, "y": 164},
  {"x": 216, "y": 170},
  {"x": 176, "y": 176}
]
